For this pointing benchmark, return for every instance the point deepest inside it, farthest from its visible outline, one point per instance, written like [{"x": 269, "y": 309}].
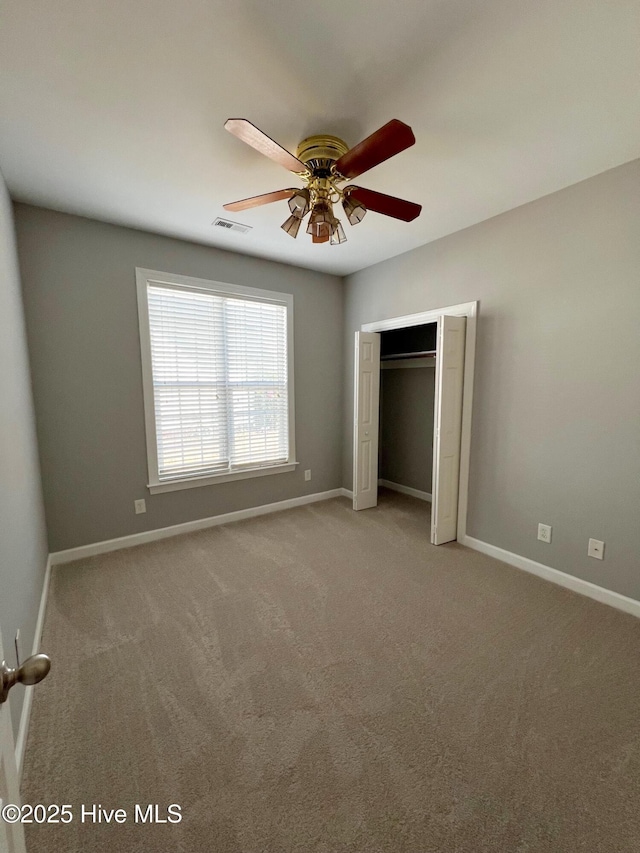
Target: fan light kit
[{"x": 324, "y": 163}]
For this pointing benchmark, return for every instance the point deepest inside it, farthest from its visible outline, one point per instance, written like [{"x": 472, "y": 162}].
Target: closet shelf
[{"x": 424, "y": 354}]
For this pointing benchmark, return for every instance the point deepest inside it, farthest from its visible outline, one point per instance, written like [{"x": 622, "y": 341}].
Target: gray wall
[
  {"x": 80, "y": 301},
  {"x": 406, "y": 426},
  {"x": 23, "y": 542},
  {"x": 556, "y": 426}
]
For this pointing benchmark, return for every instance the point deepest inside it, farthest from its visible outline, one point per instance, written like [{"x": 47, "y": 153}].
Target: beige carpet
[{"x": 322, "y": 680}]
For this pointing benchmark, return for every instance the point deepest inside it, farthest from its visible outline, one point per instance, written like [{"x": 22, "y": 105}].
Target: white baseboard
[
  {"x": 405, "y": 490},
  {"x": 25, "y": 716},
  {"x": 591, "y": 590},
  {"x": 95, "y": 548},
  {"x": 347, "y": 493}
]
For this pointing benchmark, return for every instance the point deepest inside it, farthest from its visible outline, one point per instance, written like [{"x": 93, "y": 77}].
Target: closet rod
[{"x": 424, "y": 354}]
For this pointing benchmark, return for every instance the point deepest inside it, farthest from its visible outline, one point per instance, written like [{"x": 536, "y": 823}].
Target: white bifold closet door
[
  {"x": 366, "y": 421},
  {"x": 448, "y": 428},
  {"x": 11, "y": 834}
]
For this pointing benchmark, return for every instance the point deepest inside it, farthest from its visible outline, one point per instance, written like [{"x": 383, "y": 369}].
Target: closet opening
[
  {"x": 406, "y": 425},
  {"x": 413, "y": 393}
]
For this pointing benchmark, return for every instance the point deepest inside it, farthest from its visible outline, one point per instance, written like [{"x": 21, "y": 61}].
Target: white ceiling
[{"x": 114, "y": 109}]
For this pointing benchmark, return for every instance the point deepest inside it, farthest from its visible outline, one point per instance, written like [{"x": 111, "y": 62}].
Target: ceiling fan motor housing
[{"x": 320, "y": 152}]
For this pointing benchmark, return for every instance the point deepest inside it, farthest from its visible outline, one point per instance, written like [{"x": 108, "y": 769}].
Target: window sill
[{"x": 194, "y": 482}]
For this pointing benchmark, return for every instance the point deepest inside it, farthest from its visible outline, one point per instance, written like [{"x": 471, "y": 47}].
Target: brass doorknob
[{"x": 32, "y": 671}]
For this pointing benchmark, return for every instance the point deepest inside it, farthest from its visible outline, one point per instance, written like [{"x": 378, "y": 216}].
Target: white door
[
  {"x": 11, "y": 834},
  {"x": 366, "y": 422},
  {"x": 448, "y": 428}
]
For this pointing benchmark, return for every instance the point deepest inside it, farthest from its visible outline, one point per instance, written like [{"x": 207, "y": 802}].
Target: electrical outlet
[
  {"x": 140, "y": 506},
  {"x": 596, "y": 549},
  {"x": 307, "y": 474},
  {"x": 544, "y": 533}
]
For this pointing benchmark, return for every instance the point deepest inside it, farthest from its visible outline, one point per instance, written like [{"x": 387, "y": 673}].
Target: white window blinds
[{"x": 219, "y": 370}]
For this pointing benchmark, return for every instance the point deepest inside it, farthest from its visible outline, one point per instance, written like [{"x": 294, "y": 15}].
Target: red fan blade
[
  {"x": 390, "y": 139},
  {"x": 388, "y": 205},
  {"x": 257, "y": 200},
  {"x": 254, "y": 137}
]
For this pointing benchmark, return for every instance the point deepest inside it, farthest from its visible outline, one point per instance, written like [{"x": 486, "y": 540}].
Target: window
[{"x": 217, "y": 378}]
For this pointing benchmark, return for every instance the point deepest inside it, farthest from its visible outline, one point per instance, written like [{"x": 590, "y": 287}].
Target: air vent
[{"x": 231, "y": 226}]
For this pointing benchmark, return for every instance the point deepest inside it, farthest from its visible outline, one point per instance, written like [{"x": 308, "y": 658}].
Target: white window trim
[{"x": 143, "y": 278}]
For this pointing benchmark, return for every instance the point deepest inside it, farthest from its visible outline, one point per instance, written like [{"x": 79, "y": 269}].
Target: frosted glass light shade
[
  {"x": 292, "y": 225},
  {"x": 320, "y": 221},
  {"x": 299, "y": 203},
  {"x": 337, "y": 234},
  {"x": 354, "y": 210}
]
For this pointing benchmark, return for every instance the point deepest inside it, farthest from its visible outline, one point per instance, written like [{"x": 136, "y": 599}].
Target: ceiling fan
[{"x": 323, "y": 163}]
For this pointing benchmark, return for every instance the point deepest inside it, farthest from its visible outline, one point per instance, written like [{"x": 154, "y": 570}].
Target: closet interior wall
[{"x": 407, "y": 388}]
